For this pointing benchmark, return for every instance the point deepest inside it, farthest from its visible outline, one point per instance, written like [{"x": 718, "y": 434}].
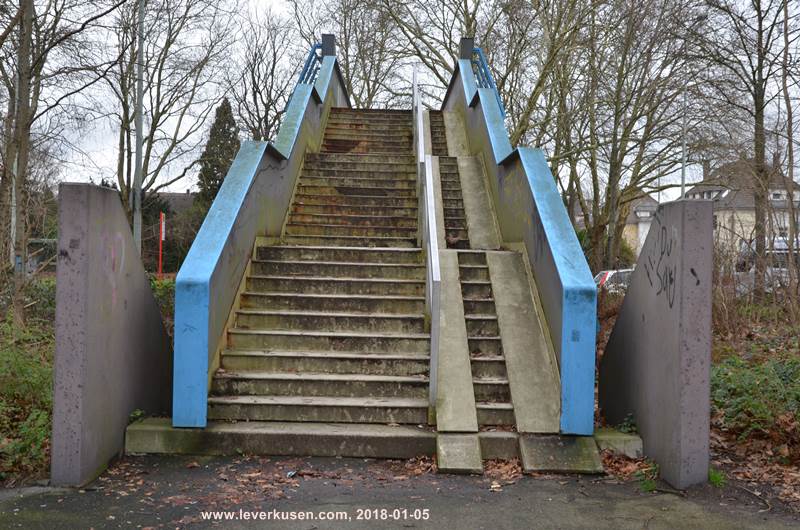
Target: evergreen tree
[{"x": 223, "y": 143}]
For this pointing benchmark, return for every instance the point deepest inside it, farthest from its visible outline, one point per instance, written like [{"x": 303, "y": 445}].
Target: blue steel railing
[
  {"x": 308, "y": 75},
  {"x": 484, "y": 76}
]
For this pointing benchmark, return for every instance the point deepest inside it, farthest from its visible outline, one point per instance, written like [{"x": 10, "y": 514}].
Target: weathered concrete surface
[
  {"x": 172, "y": 491},
  {"x": 478, "y": 207},
  {"x": 656, "y": 363},
  {"x": 531, "y": 366},
  {"x": 455, "y": 403},
  {"x": 156, "y": 435},
  {"x": 454, "y": 132},
  {"x": 458, "y": 453},
  {"x": 438, "y": 205},
  {"x": 562, "y": 454},
  {"x": 112, "y": 353},
  {"x": 625, "y": 443}
]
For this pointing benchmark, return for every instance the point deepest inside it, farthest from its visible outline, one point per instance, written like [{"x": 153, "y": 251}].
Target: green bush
[
  {"x": 164, "y": 292},
  {"x": 758, "y": 398},
  {"x": 26, "y": 396}
]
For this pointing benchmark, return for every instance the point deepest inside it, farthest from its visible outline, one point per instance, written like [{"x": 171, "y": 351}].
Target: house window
[{"x": 776, "y": 196}]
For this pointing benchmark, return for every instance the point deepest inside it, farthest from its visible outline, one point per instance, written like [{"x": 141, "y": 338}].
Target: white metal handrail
[{"x": 433, "y": 278}]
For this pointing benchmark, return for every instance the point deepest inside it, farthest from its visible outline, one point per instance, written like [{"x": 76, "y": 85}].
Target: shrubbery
[{"x": 760, "y": 398}]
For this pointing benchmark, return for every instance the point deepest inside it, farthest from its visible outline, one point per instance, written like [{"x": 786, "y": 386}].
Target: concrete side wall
[
  {"x": 254, "y": 200},
  {"x": 112, "y": 352},
  {"x": 656, "y": 363},
  {"x": 530, "y": 211}
]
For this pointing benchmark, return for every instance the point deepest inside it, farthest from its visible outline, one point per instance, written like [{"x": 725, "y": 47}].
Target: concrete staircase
[{"x": 330, "y": 326}]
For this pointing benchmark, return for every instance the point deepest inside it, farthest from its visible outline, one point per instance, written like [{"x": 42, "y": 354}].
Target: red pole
[{"x": 161, "y": 234}]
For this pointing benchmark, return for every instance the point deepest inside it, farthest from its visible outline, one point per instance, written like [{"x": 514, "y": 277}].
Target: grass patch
[
  {"x": 716, "y": 477},
  {"x": 26, "y": 385}
]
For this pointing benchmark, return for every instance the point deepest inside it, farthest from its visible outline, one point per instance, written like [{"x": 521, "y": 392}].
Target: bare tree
[
  {"x": 187, "y": 43},
  {"x": 745, "y": 62},
  {"x": 260, "y": 80}
]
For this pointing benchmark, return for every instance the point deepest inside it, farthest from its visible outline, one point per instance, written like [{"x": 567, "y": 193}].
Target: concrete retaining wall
[
  {"x": 656, "y": 364},
  {"x": 112, "y": 352}
]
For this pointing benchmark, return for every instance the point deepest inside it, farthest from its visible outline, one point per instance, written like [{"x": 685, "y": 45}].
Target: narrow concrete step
[
  {"x": 450, "y": 194},
  {"x": 456, "y": 233},
  {"x": 223, "y": 438},
  {"x": 291, "y": 340},
  {"x": 308, "y": 199},
  {"x": 338, "y": 209},
  {"x": 472, "y": 257},
  {"x": 452, "y": 222},
  {"x": 349, "y": 254},
  {"x": 341, "y": 322},
  {"x": 318, "y": 385},
  {"x": 327, "y": 362},
  {"x": 485, "y": 345},
  {"x": 483, "y": 306},
  {"x": 338, "y": 269},
  {"x": 319, "y": 409},
  {"x": 494, "y": 413},
  {"x": 453, "y": 203},
  {"x": 482, "y": 325},
  {"x": 350, "y": 220},
  {"x": 489, "y": 367},
  {"x": 351, "y": 241},
  {"x": 474, "y": 272},
  {"x": 358, "y": 191},
  {"x": 476, "y": 289},
  {"x": 331, "y": 285},
  {"x": 492, "y": 389}
]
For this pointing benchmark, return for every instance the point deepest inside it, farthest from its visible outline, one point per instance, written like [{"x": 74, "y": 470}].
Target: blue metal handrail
[
  {"x": 308, "y": 75},
  {"x": 484, "y": 76}
]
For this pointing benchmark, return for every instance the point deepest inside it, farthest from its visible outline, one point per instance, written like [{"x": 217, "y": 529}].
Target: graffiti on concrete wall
[{"x": 659, "y": 262}]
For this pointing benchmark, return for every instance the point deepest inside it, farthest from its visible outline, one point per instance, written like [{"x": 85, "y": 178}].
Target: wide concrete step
[
  {"x": 380, "y": 161},
  {"x": 339, "y": 125},
  {"x": 277, "y": 438},
  {"x": 349, "y": 254},
  {"x": 319, "y": 409},
  {"x": 353, "y": 122},
  {"x": 366, "y": 171},
  {"x": 358, "y": 201},
  {"x": 329, "y": 302},
  {"x": 292, "y": 340},
  {"x": 333, "y": 285},
  {"x": 318, "y": 385},
  {"x": 309, "y": 229},
  {"x": 400, "y": 141},
  {"x": 338, "y": 146},
  {"x": 351, "y": 241},
  {"x": 358, "y": 191},
  {"x": 354, "y": 220},
  {"x": 338, "y": 209},
  {"x": 340, "y": 322},
  {"x": 367, "y": 363},
  {"x": 405, "y": 183},
  {"x": 394, "y": 133},
  {"x": 491, "y": 367},
  {"x": 491, "y": 389},
  {"x": 490, "y": 413},
  {"x": 338, "y": 269}
]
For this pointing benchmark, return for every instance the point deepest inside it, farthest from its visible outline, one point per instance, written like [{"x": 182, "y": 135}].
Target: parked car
[{"x": 615, "y": 281}]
